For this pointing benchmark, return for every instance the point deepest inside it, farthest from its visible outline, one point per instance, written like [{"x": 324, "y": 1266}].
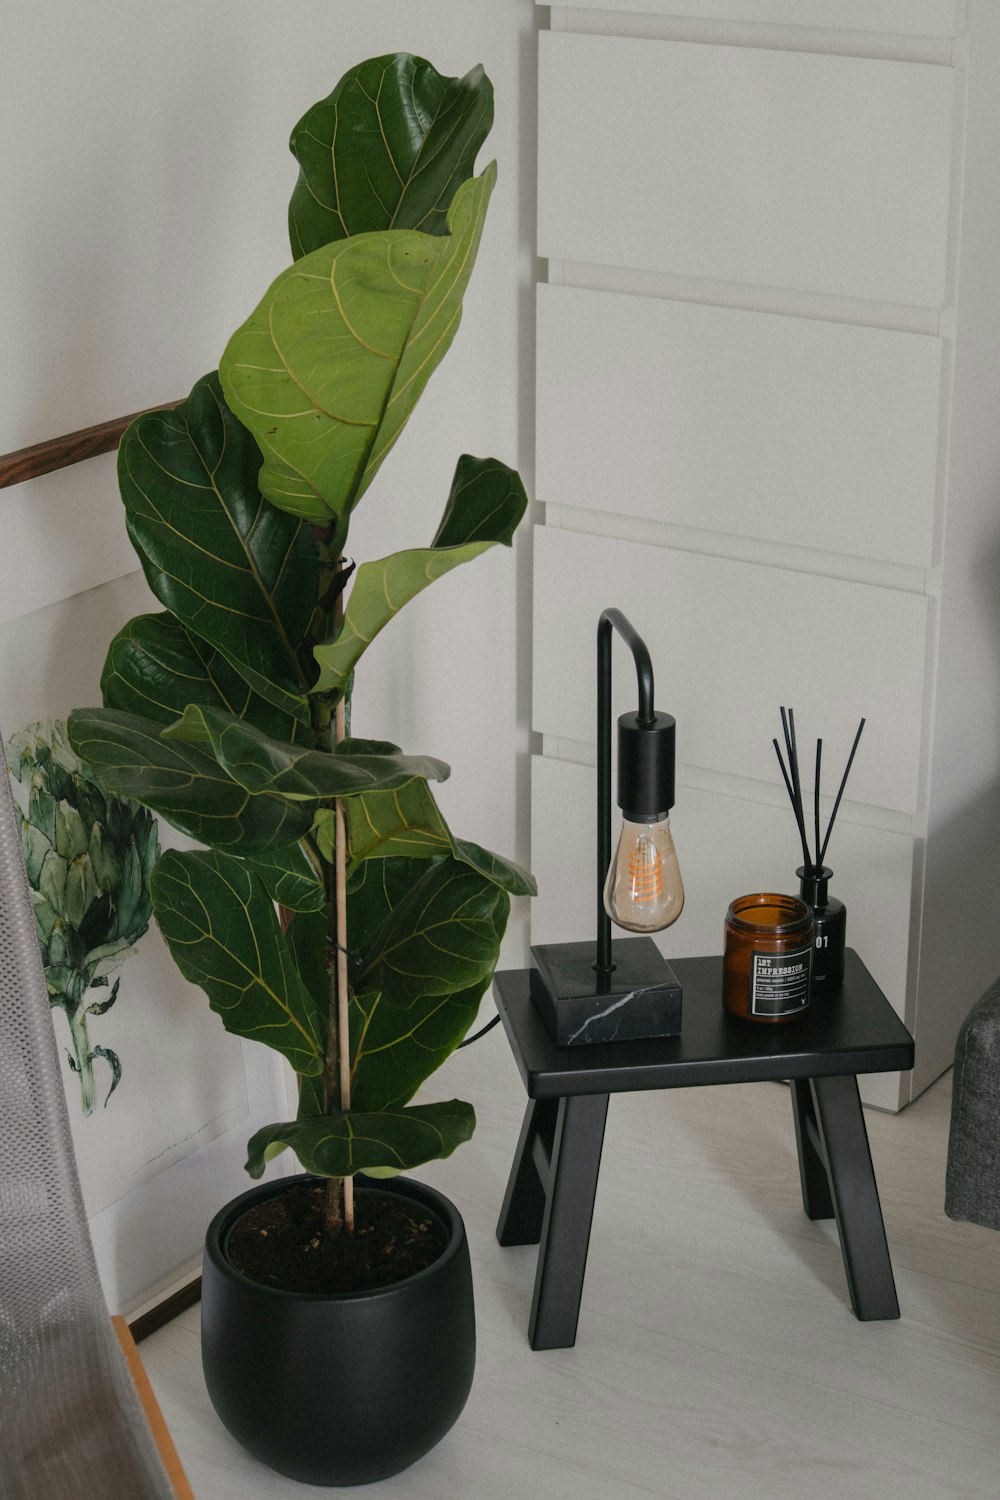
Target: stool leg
[
  {"x": 816, "y": 1198},
  {"x": 520, "y": 1221},
  {"x": 841, "y": 1126},
  {"x": 569, "y": 1210}
]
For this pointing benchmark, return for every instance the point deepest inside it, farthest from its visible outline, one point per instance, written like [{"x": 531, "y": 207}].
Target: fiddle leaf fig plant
[{"x": 332, "y": 915}]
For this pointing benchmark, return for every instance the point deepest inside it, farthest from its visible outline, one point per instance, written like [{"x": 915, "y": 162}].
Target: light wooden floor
[{"x": 717, "y": 1357}]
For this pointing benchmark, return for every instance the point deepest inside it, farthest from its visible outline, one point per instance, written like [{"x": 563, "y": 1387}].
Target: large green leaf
[
  {"x": 307, "y": 937},
  {"x": 386, "y": 150},
  {"x": 393, "y": 1048},
  {"x": 400, "y": 1050},
  {"x": 183, "y": 783},
  {"x": 156, "y": 667},
  {"x": 497, "y": 868},
  {"x": 396, "y": 825},
  {"x": 221, "y": 928},
  {"x": 329, "y": 366},
  {"x": 374, "y": 890},
  {"x": 486, "y": 502},
  {"x": 263, "y": 765},
  {"x": 293, "y": 876},
  {"x": 444, "y": 936},
  {"x": 379, "y": 591},
  {"x": 380, "y": 1145},
  {"x": 408, "y": 824},
  {"x": 235, "y": 571}
]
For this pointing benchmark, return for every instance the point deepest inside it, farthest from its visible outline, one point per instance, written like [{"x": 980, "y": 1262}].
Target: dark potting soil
[{"x": 282, "y": 1242}]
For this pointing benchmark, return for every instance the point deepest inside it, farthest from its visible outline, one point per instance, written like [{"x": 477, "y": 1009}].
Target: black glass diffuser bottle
[
  {"x": 829, "y": 925},
  {"x": 829, "y": 914}
]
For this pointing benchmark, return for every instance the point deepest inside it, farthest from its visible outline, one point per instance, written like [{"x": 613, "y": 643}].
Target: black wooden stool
[{"x": 553, "y": 1182}]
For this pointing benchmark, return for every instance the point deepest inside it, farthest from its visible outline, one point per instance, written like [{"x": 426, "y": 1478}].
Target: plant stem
[
  {"x": 334, "y": 1215},
  {"x": 77, "y": 1019},
  {"x": 339, "y": 1207},
  {"x": 343, "y": 1006}
]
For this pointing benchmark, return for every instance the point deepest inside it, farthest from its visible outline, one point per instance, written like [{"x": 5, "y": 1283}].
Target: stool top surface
[{"x": 854, "y": 1030}]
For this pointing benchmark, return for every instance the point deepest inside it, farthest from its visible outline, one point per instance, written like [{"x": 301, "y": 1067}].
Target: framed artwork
[{"x": 161, "y": 1099}]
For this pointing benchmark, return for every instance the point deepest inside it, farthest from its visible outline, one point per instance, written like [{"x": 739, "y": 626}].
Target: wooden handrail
[{"x": 60, "y": 452}]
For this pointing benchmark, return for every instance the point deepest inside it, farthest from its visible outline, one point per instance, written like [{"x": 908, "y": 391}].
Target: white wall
[
  {"x": 145, "y": 180},
  {"x": 767, "y": 201},
  {"x": 147, "y": 172}
]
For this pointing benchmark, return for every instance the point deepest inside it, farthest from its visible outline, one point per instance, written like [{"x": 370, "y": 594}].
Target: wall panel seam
[
  {"x": 747, "y": 296},
  {"x": 561, "y": 751},
  {"x": 771, "y": 36},
  {"x": 617, "y": 526}
]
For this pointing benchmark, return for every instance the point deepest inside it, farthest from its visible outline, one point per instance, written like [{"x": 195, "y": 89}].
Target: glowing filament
[{"x": 645, "y": 873}]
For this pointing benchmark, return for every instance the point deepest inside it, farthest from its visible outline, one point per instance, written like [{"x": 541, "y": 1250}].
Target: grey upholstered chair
[
  {"x": 71, "y": 1424},
  {"x": 972, "y": 1189}
]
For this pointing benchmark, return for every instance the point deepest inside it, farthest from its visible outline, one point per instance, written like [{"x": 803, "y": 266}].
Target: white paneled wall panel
[
  {"x": 789, "y": 169},
  {"x": 902, "y": 17},
  {"x": 63, "y": 534},
  {"x": 794, "y": 430},
  {"x": 731, "y": 642},
  {"x": 726, "y": 846}
]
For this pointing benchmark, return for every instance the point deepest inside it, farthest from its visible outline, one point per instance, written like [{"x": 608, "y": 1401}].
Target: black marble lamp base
[{"x": 640, "y": 998}]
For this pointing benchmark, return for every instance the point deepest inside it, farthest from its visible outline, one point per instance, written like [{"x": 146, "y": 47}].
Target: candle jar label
[{"x": 779, "y": 982}]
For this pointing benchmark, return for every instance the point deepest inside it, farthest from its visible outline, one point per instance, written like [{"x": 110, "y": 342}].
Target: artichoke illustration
[{"x": 89, "y": 855}]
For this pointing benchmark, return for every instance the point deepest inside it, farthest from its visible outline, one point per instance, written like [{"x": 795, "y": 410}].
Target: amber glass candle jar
[{"x": 768, "y": 957}]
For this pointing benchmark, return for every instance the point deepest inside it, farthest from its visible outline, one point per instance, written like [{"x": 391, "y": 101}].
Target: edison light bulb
[{"x": 644, "y": 891}]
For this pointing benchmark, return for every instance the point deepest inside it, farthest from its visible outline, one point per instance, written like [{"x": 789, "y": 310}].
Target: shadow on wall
[{"x": 960, "y": 936}]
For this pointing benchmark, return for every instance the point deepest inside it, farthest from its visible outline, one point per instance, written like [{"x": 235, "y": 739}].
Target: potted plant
[{"x": 333, "y": 914}]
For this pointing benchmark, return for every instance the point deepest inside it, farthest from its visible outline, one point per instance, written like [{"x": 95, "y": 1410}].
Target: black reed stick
[
  {"x": 847, "y": 771},
  {"x": 793, "y": 786},
  {"x": 819, "y": 762},
  {"x": 794, "y": 795}
]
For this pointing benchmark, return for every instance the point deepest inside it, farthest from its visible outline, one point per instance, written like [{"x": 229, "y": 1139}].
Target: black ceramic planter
[{"x": 341, "y": 1389}]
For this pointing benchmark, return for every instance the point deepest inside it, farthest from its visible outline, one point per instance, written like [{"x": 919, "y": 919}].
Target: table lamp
[{"x": 606, "y": 992}]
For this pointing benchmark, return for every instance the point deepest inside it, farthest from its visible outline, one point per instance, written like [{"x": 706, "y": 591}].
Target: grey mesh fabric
[
  {"x": 70, "y": 1421},
  {"x": 972, "y": 1189}
]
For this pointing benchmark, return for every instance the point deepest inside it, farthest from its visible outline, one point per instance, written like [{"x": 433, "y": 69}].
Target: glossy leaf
[
  {"x": 503, "y": 872},
  {"x": 324, "y": 832},
  {"x": 183, "y": 783},
  {"x": 263, "y": 765},
  {"x": 405, "y": 824},
  {"x": 408, "y": 824},
  {"x": 327, "y": 369},
  {"x": 444, "y": 936},
  {"x": 307, "y": 938},
  {"x": 155, "y": 667},
  {"x": 223, "y": 933},
  {"x": 379, "y": 591},
  {"x": 292, "y": 876},
  {"x": 485, "y": 504},
  {"x": 381, "y": 1144},
  {"x": 386, "y": 150},
  {"x": 393, "y": 1050},
  {"x": 374, "y": 890},
  {"x": 402, "y": 1049},
  {"x": 234, "y": 570}
]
